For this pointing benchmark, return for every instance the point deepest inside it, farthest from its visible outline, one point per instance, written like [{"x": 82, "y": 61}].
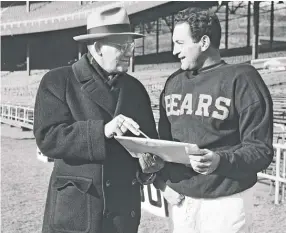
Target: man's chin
[
  {"x": 184, "y": 67},
  {"x": 122, "y": 69},
  {"x": 188, "y": 67}
]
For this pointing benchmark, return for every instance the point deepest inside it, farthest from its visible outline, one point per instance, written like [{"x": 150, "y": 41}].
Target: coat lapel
[
  {"x": 119, "y": 94},
  {"x": 123, "y": 96},
  {"x": 93, "y": 85}
]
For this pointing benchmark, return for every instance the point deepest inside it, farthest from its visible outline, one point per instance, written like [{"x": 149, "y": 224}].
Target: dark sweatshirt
[{"x": 227, "y": 109}]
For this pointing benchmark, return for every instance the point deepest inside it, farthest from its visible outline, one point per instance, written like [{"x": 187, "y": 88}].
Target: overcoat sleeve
[{"x": 57, "y": 135}]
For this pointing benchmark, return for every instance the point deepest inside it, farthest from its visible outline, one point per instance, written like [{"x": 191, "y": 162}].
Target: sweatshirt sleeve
[
  {"x": 254, "y": 106},
  {"x": 57, "y": 134}
]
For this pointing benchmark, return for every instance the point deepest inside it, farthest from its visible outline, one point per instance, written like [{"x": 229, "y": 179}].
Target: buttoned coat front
[{"x": 93, "y": 186}]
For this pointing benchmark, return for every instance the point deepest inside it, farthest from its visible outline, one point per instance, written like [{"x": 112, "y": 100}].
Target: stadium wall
[{"x": 47, "y": 49}]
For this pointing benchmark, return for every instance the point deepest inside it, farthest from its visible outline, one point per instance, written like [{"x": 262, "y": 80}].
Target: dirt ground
[{"x": 24, "y": 182}]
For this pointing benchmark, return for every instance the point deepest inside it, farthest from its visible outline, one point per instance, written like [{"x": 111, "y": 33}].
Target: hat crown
[
  {"x": 107, "y": 21},
  {"x": 109, "y": 16}
]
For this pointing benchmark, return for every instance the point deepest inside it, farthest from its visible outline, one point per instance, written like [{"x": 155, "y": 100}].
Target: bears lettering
[{"x": 176, "y": 106}]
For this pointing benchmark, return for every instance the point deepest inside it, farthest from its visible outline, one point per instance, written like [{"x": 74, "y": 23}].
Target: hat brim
[{"x": 88, "y": 37}]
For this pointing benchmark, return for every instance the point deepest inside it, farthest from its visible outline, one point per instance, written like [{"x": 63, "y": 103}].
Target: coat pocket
[{"x": 71, "y": 207}]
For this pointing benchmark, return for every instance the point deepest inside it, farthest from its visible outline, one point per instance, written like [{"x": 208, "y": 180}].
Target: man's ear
[
  {"x": 97, "y": 48},
  {"x": 205, "y": 43}
]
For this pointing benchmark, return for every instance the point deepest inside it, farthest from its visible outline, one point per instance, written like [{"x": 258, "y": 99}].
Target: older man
[{"x": 94, "y": 186}]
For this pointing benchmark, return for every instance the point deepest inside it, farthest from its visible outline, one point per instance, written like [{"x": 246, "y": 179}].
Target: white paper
[{"x": 168, "y": 150}]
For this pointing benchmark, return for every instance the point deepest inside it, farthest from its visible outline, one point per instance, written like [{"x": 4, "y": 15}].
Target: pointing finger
[
  {"x": 132, "y": 122},
  {"x": 130, "y": 126}
]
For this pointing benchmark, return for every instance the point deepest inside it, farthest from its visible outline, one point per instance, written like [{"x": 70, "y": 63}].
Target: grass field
[{"x": 24, "y": 181}]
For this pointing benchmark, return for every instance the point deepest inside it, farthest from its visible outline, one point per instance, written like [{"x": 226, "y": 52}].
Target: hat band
[{"x": 115, "y": 28}]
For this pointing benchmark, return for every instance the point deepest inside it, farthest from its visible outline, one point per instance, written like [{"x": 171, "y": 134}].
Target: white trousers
[{"x": 231, "y": 214}]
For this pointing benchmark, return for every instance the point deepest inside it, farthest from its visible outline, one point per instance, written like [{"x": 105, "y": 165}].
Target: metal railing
[
  {"x": 17, "y": 116},
  {"x": 153, "y": 200},
  {"x": 278, "y": 173}
]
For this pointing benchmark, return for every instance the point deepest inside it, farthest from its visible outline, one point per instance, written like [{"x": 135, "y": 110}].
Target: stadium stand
[
  {"x": 20, "y": 89},
  {"x": 16, "y": 11}
]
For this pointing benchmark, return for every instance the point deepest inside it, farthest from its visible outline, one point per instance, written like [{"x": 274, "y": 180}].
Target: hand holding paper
[
  {"x": 204, "y": 164},
  {"x": 119, "y": 126}
]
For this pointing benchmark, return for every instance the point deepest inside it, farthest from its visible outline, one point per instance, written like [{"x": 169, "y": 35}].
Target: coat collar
[
  {"x": 82, "y": 69},
  {"x": 93, "y": 85}
]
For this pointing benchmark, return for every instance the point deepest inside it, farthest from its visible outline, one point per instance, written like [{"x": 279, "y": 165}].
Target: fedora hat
[{"x": 107, "y": 22}]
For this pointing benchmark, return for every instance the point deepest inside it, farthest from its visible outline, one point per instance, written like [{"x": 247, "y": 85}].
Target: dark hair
[{"x": 202, "y": 22}]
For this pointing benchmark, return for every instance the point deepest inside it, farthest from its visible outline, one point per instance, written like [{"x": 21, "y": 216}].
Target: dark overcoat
[{"x": 93, "y": 186}]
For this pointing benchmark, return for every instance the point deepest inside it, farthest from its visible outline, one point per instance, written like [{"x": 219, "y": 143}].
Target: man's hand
[
  {"x": 204, "y": 164},
  {"x": 119, "y": 126},
  {"x": 172, "y": 197},
  {"x": 150, "y": 163}
]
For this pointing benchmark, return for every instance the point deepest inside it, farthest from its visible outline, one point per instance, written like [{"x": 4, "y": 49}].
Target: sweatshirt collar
[{"x": 208, "y": 68}]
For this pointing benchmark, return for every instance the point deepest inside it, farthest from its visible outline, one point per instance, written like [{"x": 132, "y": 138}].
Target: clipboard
[{"x": 169, "y": 151}]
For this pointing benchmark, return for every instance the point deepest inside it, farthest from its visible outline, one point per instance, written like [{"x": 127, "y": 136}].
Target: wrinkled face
[
  {"x": 116, "y": 52},
  {"x": 187, "y": 51}
]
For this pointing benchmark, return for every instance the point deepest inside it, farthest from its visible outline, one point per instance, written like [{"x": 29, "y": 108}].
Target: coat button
[
  {"x": 107, "y": 183},
  {"x": 134, "y": 181},
  {"x": 132, "y": 213},
  {"x": 107, "y": 214}
]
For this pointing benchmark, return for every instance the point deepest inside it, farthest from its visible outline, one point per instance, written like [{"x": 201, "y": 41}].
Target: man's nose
[
  {"x": 175, "y": 50},
  {"x": 128, "y": 52}
]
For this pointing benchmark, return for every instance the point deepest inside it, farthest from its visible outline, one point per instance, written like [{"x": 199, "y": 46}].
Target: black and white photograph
[{"x": 143, "y": 116}]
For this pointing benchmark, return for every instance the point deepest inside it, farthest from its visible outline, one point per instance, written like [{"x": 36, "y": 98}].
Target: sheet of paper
[{"x": 168, "y": 150}]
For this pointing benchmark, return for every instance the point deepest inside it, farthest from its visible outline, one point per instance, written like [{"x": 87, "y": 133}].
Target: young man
[
  {"x": 227, "y": 111},
  {"x": 95, "y": 183}
]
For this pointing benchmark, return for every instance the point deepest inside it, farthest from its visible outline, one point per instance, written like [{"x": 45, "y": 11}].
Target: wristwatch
[{"x": 148, "y": 178}]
